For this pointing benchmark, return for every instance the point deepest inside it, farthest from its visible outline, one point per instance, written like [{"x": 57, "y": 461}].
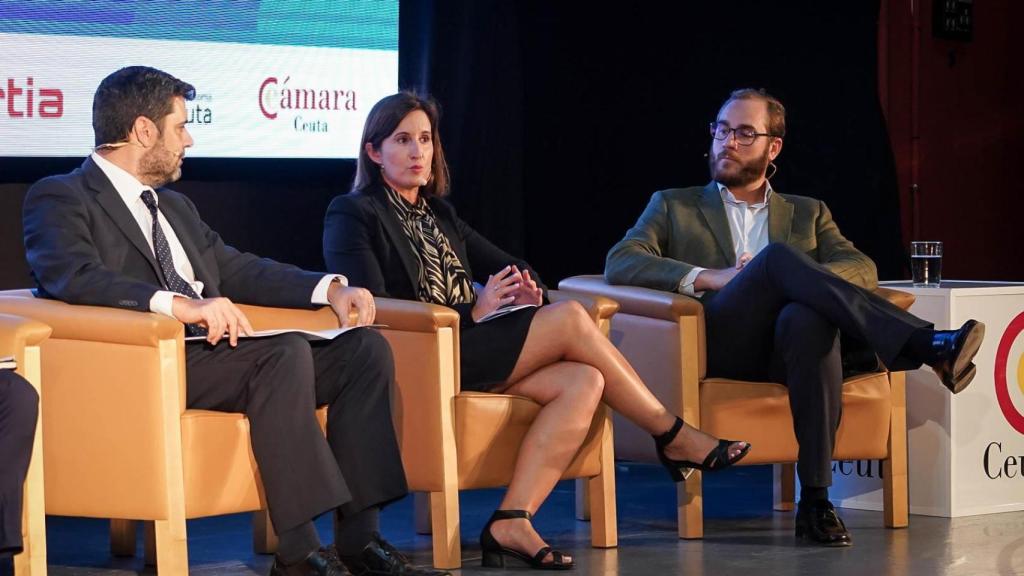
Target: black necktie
[{"x": 174, "y": 282}]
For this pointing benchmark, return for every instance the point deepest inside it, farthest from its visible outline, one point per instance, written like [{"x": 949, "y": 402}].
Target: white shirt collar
[
  {"x": 728, "y": 197},
  {"x": 127, "y": 186}
]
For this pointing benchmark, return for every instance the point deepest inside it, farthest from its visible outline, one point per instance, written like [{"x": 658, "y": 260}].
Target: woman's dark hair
[
  {"x": 383, "y": 120},
  {"x": 132, "y": 92}
]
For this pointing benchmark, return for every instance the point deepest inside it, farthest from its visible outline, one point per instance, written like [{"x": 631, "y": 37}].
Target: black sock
[
  {"x": 919, "y": 346},
  {"x": 294, "y": 545},
  {"x": 810, "y": 494},
  {"x": 353, "y": 532}
]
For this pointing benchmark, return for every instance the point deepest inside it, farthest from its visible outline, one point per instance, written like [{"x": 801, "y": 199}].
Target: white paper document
[
  {"x": 503, "y": 311},
  {"x": 8, "y": 363},
  {"x": 310, "y": 335}
]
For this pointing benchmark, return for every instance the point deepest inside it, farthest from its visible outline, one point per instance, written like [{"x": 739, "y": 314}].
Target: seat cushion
[
  {"x": 220, "y": 471},
  {"x": 489, "y": 429},
  {"x": 759, "y": 412}
]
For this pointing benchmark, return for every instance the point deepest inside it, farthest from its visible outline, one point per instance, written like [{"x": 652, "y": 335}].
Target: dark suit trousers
[
  {"x": 19, "y": 410},
  {"x": 780, "y": 319},
  {"x": 277, "y": 382}
]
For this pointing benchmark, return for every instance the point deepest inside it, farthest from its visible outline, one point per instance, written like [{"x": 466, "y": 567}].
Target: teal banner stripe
[{"x": 365, "y": 24}]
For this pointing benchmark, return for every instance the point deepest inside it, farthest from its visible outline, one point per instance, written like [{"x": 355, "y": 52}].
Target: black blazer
[
  {"x": 364, "y": 237},
  {"x": 85, "y": 247}
]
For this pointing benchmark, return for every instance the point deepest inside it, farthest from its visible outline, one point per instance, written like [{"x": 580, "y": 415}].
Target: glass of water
[{"x": 926, "y": 263}]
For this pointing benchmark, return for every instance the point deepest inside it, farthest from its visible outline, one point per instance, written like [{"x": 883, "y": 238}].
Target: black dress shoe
[
  {"x": 955, "y": 350},
  {"x": 322, "y": 562},
  {"x": 379, "y": 557},
  {"x": 818, "y": 523}
]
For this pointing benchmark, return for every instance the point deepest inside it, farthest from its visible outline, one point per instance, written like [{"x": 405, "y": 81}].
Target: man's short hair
[
  {"x": 776, "y": 111},
  {"x": 132, "y": 92}
]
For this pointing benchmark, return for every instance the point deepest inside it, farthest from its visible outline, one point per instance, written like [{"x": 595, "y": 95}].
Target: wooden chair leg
[
  {"x": 264, "y": 538},
  {"x": 171, "y": 548},
  {"x": 690, "y": 507},
  {"x": 421, "y": 512},
  {"x": 444, "y": 516},
  {"x": 582, "y": 505},
  {"x": 894, "y": 468},
  {"x": 604, "y": 531},
  {"x": 784, "y": 487},
  {"x": 122, "y": 537},
  {"x": 600, "y": 492}
]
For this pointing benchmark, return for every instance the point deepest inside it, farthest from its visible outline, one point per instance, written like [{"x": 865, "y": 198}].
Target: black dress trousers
[
  {"x": 780, "y": 319},
  {"x": 278, "y": 382},
  {"x": 19, "y": 410}
]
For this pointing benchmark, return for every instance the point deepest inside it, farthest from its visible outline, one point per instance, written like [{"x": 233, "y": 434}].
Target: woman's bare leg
[
  {"x": 569, "y": 393},
  {"x": 564, "y": 331}
]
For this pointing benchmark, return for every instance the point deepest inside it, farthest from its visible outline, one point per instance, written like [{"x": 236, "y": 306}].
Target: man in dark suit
[
  {"x": 19, "y": 410},
  {"x": 779, "y": 284},
  {"x": 109, "y": 234}
]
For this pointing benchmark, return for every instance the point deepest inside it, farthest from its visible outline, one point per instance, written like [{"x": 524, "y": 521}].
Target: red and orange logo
[{"x": 1005, "y": 371}]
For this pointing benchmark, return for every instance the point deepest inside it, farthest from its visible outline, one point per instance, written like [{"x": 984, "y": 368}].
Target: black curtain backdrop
[{"x": 560, "y": 120}]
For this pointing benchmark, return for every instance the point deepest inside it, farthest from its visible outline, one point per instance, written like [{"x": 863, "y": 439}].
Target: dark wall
[
  {"x": 561, "y": 119},
  {"x": 565, "y": 119}
]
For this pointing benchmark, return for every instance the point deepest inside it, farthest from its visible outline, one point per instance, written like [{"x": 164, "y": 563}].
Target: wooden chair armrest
[
  {"x": 637, "y": 301},
  {"x": 92, "y": 323},
  {"x": 902, "y": 299},
  {"x": 599, "y": 307},
  {"x": 17, "y": 332},
  {"x": 412, "y": 316}
]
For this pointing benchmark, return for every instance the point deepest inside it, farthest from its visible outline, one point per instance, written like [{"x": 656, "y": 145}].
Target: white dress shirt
[
  {"x": 130, "y": 190},
  {"x": 748, "y": 226}
]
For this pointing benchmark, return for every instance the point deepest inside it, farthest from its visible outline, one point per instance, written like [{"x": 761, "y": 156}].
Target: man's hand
[
  {"x": 717, "y": 279},
  {"x": 217, "y": 315},
  {"x": 344, "y": 299}
]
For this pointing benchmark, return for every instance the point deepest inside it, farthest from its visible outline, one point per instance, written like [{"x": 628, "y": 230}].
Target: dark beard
[
  {"x": 158, "y": 167},
  {"x": 748, "y": 172}
]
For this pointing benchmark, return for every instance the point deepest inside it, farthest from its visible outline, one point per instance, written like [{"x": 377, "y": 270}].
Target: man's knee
[
  {"x": 364, "y": 351},
  {"x": 371, "y": 348},
  {"x": 292, "y": 355},
  {"x": 780, "y": 250}
]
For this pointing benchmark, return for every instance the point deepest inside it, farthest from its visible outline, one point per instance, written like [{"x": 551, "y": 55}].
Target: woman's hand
[
  {"x": 528, "y": 291},
  {"x": 498, "y": 292}
]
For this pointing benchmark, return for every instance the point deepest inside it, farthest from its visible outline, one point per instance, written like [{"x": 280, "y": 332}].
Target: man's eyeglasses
[{"x": 744, "y": 136}]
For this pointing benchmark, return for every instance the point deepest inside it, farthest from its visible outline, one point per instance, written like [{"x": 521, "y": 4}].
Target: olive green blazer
[{"x": 686, "y": 227}]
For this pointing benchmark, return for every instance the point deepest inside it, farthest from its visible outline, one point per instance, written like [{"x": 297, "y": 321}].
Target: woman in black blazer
[{"x": 396, "y": 236}]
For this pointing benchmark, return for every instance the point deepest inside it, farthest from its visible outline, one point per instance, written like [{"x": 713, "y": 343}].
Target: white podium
[{"x": 966, "y": 452}]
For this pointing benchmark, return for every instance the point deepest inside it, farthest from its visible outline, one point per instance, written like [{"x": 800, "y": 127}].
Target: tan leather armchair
[
  {"x": 139, "y": 454},
  {"x": 662, "y": 335},
  {"x": 456, "y": 440},
  {"x": 21, "y": 338}
]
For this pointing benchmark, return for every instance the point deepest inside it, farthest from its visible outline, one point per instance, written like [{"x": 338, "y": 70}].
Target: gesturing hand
[
  {"x": 528, "y": 291},
  {"x": 499, "y": 291},
  {"x": 344, "y": 299},
  {"x": 218, "y": 315}
]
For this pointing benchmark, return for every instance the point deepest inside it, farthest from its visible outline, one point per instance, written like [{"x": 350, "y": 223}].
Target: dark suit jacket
[
  {"x": 85, "y": 247},
  {"x": 686, "y": 227},
  {"x": 364, "y": 237}
]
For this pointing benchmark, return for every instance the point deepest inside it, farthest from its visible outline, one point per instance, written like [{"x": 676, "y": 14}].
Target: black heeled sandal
[
  {"x": 494, "y": 553},
  {"x": 717, "y": 458}
]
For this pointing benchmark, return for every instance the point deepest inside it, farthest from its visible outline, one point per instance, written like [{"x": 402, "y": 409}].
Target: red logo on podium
[{"x": 1012, "y": 414}]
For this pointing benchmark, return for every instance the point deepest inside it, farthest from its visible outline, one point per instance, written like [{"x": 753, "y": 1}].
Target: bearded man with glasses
[{"x": 780, "y": 285}]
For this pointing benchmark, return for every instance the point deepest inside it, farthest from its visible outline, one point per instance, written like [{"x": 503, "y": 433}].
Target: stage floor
[{"x": 742, "y": 536}]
